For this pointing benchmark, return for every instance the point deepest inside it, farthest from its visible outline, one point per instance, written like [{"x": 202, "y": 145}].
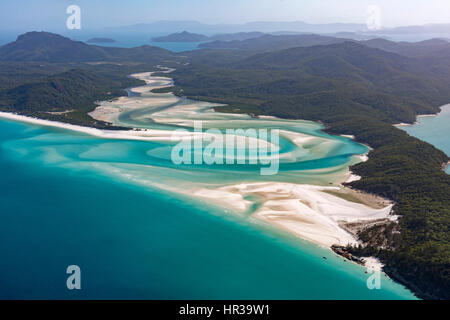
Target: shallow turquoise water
[
  {"x": 125, "y": 213},
  {"x": 435, "y": 130},
  {"x": 58, "y": 209}
]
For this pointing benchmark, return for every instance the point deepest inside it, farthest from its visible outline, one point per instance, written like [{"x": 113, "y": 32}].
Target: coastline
[
  {"x": 444, "y": 165},
  {"x": 403, "y": 124},
  {"x": 132, "y": 134},
  {"x": 306, "y": 211}
]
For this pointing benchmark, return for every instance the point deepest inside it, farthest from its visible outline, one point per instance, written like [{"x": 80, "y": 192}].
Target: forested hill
[
  {"x": 432, "y": 47},
  {"x": 267, "y": 43},
  {"x": 358, "y": 90},
  {"x": 343, "y": 76},
  {"x": 62, "y": 93},
  {"x": 272, "y": 42},
  {"x": 49, "y": 47},
  {"x": 44, "y": 46},
  {"x": 50, "y": 76},
  {"x": 182, "y": 37}
]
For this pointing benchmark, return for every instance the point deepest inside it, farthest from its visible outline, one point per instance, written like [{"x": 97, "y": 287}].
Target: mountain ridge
[{"x": 49, "y": 47}]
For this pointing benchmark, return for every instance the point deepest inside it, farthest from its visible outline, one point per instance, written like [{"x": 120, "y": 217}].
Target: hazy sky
[{"x": 51, "y": 14}]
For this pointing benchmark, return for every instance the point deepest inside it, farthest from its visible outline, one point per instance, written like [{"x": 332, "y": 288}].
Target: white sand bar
[{"x": 303, "y": 210}]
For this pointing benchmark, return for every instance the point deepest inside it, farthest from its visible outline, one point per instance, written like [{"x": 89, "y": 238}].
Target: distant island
[
  {"x": 186, "y": 36},
  {"x": 101, "y": 40},
  {"x": 182, "y": 37},
  {"x": 237, "y": 36}
]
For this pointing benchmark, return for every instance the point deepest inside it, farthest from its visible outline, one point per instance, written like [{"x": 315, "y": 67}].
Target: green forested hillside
[
  {"x": 334, "y": 75},
  {"x": 434, "y": 47},
  {"x": 57, "y": 88},
  {"x": 273, "y": 42},
  {"x": 49, "y": 47},
  {"x": 182, "y": 37},
  {"x": 360, "y": 91},
  {"x": 50, "y": 76},
  {"x": 53, "y": 48}
]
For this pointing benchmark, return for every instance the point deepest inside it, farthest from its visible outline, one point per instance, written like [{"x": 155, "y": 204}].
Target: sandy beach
[{"x": 305, "y": 210}]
